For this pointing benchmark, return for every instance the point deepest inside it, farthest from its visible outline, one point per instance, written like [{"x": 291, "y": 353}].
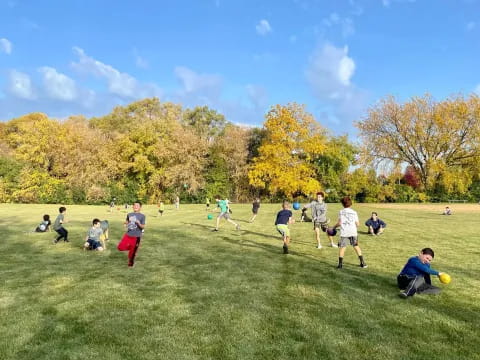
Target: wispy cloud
[
  {"x": 263, "y": 27},
  {"x": 121, "y": 84},
  {"x": 346, "y": 24},
  {"x": 5, "y": 46},
  {"x": 387, "y": 3},
  {"x": 20, "y": 85},
  {"x": 471, "y": 25},
  {"x": 140, "y": 62}
]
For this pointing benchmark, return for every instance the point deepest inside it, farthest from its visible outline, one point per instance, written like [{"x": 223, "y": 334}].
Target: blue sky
[{"x": 237, "y": 56}]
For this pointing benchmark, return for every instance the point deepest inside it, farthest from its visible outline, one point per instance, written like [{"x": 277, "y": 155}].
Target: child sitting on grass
[
  {"x": 93, "y": 239},
  {"x": 44, "y": 226}
]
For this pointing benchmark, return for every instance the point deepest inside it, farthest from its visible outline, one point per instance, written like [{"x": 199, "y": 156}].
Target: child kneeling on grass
[{"x": 94, "y": 234}]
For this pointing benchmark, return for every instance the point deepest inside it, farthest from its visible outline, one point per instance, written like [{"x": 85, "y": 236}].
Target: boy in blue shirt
[
  {"x": 375, "y": 225},
  {"x": 415, "y": 275},
  {"x": 284, "y": 217}
]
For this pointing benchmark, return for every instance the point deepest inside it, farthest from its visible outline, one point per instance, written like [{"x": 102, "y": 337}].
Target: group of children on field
[
  {"x": 97, "y": 235},
  {"x": 414, "y": 278}
]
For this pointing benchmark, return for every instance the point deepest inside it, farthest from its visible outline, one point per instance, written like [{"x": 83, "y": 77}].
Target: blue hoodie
[{"x": 415, "y": 267}]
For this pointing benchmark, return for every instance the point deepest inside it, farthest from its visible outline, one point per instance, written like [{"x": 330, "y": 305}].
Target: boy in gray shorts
[{"x": 348, "y": 223}]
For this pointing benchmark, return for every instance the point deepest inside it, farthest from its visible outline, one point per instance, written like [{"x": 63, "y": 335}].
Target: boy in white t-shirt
[{"x": 348, "y": 223}]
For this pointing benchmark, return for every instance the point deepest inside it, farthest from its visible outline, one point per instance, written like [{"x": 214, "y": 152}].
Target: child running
[
  {"x": 284, "y": 218},
  {"x": 224, "y": 213},
  {"x": 161, "y": 208},
  {"x": 348, "y": 223},
  {"x": 58, "y": 225},
  {"x": 135, "y": 224},
  {"x": 255, "y": 207}
]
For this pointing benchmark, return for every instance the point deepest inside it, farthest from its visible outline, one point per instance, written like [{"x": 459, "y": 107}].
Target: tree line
[{"x": 417, "y": 151}]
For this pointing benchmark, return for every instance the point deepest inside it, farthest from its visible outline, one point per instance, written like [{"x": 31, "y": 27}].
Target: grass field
[{"x": 194, "y": 294}]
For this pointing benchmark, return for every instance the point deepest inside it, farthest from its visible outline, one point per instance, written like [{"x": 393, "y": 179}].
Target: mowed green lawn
[{"x": 195, "y": 294}]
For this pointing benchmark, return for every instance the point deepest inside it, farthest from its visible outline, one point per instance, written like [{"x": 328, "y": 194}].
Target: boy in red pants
[{"x": 135, "y": 224}]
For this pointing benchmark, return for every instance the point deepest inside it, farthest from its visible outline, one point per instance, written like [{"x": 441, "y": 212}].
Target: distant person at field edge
[
  {"x": 44, "y": 226},
  {"x": 255, "y": 207},
  {"x": 112, "y": 204},
  {"x": 207, "y": 204},
  {"x": 348, "y": 223},
  {"x": 224, "y": 213},
  {"x": 415, "y": 275},
  {"x": 161, "y": 208},
  {"x": 177, "y": 202},
  {"x": 135, "y": 224},
  {"x": 58, "y": 225},
  {"x": 447, "y": 211},
  {"x": 93, "y": 240},
  {"x": 284, "y": 218},
  {"x": 319, "y": 217},
  {"x": 375, "y": 225}
]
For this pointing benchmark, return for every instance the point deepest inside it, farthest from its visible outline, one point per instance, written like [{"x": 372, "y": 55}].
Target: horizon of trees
[{"x": 154, "y": 151}]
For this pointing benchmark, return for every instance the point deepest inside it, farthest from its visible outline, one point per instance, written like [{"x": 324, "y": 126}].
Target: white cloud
[
  {"x": 329, "y": 73},
  {"x": 471, "y": 25},
  {"x": 5, "y": 46},
  {"x": 20, "y": 85},
  {"x": 121, "y": 84},
  {"x": 57, "y": 85},
  {"x": 330, "y": 70},
  {"x": 263, "y": 27}
]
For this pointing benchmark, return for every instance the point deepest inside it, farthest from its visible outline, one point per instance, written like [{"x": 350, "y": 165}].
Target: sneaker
[
  {"x": 403, "y": 294},
  {"x": 66, "y": 240},
  {"x": 319, "y": 246},
  {"x": 131, "y": 265},
  {"x": 237, "y": 227},
  {"x": 363, "y": 266},
  {"x": 54, "y": 241},
  {"x": 285, "y": 249},
  {"x": 334, "y": 245},
  {"x": 339, "y": 266},
  {"x": 215, "y": 230}
]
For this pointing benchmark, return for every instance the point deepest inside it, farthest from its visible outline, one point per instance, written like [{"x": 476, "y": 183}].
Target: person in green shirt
[{"x": 224, "y": 213}]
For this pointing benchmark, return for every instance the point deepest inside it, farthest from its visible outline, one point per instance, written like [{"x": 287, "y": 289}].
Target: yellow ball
[{"x": 445, "y": 278}]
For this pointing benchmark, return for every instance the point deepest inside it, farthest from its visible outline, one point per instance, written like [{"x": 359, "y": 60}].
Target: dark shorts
[
  {"x": 160, "y": 211},
  {"x": 94, "y": 244},
  {"x": 255, "y": 211},
  {"x": 344, "y": 241},
  {"x": 320, "y": 225}
]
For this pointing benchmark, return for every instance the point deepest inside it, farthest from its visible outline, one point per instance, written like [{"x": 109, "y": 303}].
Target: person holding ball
[
  {"x": 319, "y": 217},
  {"x": 415, "y": 275}
]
